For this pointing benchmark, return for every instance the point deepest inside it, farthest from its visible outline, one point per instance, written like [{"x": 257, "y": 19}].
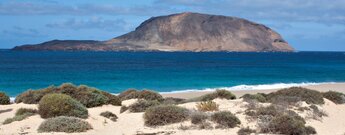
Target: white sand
[{"x": 132, "y": 123}]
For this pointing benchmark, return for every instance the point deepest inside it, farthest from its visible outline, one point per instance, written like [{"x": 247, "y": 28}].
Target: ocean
[{"x": 168, "y": 71}]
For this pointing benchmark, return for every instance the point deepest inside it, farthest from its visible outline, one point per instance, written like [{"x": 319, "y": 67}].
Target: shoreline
[
  {"x": 240, "y": 90},
  {"x": 334, "y": 86}
]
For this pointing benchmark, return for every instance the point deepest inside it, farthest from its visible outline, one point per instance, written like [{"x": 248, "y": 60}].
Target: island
[{"x": 194, "y": 32}]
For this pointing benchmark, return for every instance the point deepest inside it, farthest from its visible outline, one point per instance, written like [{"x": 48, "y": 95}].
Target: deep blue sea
[{"x": 167, "y": 71}]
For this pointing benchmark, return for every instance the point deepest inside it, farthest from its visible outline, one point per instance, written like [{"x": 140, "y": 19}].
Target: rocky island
[{"x": 182, "y": 32}]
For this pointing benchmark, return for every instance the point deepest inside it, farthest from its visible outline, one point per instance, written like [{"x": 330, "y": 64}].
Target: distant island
[{"x": 181, "y": 32}]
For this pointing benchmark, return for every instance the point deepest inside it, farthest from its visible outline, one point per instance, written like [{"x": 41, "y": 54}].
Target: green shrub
[
  {"x": 109, "y": 115},
  {"x": 258, "y": 97},
  {"x": 225, "y": 119},
  {"x": 336, "y": 97},
  {"x": 299, "y": 93},
  {"x": 198, "y": 117},
  {"x": 64, "y": 124},
  {"x": 290, "y": 125},
  {"x": 207, "y": 106},
  {"x": 245, "y": 131},
  {"x": 88, "y": 96},
  {"x": 53, "y": 105},
  {"x": 4, "y": 99},
  {"x": 142, "y": 105},
  {"x": 224, "y": 94},
  {"x": 21, "y": 114},
  {"x": 165, "y": 114}
]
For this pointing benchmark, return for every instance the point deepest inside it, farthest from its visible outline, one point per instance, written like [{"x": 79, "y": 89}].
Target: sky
[{"x": 308, "y": 25}]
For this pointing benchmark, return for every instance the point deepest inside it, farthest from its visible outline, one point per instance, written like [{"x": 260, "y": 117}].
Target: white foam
[
  {"x": 253, "y": 87},
  {"x": 12, "y": 99}
]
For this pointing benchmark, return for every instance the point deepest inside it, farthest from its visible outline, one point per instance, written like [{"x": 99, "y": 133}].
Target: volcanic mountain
[{"x": 182, "y": 32}]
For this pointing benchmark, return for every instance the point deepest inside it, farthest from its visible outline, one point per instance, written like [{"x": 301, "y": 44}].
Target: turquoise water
[{"x": 166, "y": 71}]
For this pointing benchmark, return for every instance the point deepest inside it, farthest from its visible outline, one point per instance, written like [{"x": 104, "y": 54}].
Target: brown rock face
[{"x": 189, "y": 32}]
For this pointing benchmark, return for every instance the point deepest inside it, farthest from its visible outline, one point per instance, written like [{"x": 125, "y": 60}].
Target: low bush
[
  {"x": 173, "y": 101},
  {"x": 34, "y": 96},
  {"x": 245, "y": 131},
  {"x": 123, "y": 109},
  {"x": 207, "y": 106},
  {"x": 269, "y": 110},
  {"x": 53, "y": 105},
  {"x": 4, "y": 99},
  {"x": 310, "y": 130},
  {"x": 225, "y": 119},
  {"x": 290, "y": 125},
  {"x": 198, "y": 117},
  {"x": 22, "y": 111},
  {"x": 272, "y": 111},
  {"x": 223, "y": 94},
  {"x": 258, "y": 97},
  {"x": 112, "y": 99},
  {"x": 165, "y": 114},
  {"x": 88, "y": 96},
  {"x": 150, "y": 95},
  {"x": 64, "y": 124},
  {"x": 142, "y": 105},
  {"x": 299, "y": 93},
  {"x": 336, "y": 97},
  {"x": 317, "y": 113},
  {"x": 17, "y": 118},
  {"x": 109, "y": 115},
  {"x": 144, "y": 94},
  {"x": 205, "y": 125},
  {"x": 6, "y": 110},
  {"x": 21, "y": 114},
  {"x": 128, "y": 94}
]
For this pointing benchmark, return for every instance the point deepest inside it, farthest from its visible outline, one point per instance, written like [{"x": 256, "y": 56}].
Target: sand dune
[{"x": 133, "y": 123}]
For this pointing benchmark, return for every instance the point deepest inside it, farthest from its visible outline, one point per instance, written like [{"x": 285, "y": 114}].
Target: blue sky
[{"x": 308, "y": 25}]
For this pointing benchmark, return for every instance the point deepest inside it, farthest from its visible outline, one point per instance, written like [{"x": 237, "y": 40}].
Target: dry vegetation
[
  {"x": 4, "y": 99},
  {"x": 207, "y": 106},
  {"x": 109, "y": 115},
  {"x": 165, "y": 114},
  {"x": 64, "y": 124},
  {"x": 21, "y": 114}
]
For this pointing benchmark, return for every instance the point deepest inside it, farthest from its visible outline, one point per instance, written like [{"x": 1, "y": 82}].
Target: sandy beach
[
  {"x": 133, "y": 123},
  {"x": 340, "y": 87}
]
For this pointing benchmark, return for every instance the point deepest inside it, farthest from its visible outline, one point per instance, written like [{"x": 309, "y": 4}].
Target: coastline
[
  {"x": 240, "y": 90},
  {"x": 334, "y": 86}
]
